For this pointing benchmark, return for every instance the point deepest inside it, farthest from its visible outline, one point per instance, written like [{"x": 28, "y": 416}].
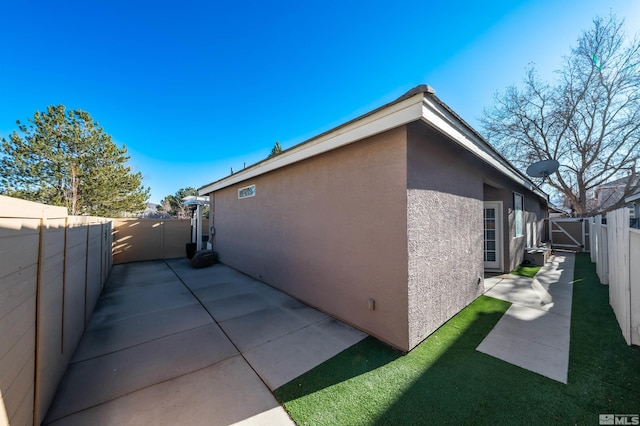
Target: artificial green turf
[
  {"x": 445, "y": 380},
  {"x": 526, "y": 271}
]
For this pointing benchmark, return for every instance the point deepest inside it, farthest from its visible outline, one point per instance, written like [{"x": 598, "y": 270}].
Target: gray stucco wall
[
  {"x": 331, "y": 231},
  {"x": 499, "y": 188},
  {"x": 444, "y": 229},
  {"x": 397, "y": 217},
  {"x": 504, "y": 195}
]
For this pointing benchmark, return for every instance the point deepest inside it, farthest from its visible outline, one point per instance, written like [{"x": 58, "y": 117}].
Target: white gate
[{"x": 569, "y": 233}]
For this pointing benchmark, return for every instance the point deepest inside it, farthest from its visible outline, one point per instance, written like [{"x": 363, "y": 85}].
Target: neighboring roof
[
  {"x": 418, "y": 104},
  {"x": 563, "y": 210},
  {"x": 615, "y": 183},
  {"x": 609, "y": 193}
]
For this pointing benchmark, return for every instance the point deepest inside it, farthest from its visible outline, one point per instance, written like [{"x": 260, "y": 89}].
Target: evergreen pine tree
[{"x": 65, "y": 158}]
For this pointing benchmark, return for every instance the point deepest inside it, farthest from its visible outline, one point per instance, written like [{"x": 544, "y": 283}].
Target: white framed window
[
  {"x": 518, "y": 211},
  {"x": 247, "y": 191}
]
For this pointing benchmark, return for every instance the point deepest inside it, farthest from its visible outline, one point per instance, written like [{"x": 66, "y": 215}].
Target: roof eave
[
  {"x": 419, "y": 103},
  {"x": 404, "y": 110},
  {"x": 437, "y": 114}
]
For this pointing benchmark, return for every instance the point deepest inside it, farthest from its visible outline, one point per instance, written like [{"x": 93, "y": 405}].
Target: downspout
[
  {"x": 199, "y": 227},
  {"x": 212, "y": 229}
]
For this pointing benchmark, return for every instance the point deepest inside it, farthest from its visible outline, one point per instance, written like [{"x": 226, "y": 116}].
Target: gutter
[
  {"x": 418, "y": 104},
  {"x": 455, "y": 128},
  {"x": 402, "y": 111}
]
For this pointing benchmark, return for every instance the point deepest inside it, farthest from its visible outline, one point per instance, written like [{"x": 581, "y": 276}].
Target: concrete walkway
[
  {"x": 534, "y": 332},
  {"x": 168, "y": 344}
]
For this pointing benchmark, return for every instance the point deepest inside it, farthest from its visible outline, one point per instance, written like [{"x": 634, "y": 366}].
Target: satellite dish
[{"x": 543, "y": 169}]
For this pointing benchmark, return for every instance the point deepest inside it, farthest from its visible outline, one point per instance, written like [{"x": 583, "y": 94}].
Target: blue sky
[{"x": 194, "y": 88}]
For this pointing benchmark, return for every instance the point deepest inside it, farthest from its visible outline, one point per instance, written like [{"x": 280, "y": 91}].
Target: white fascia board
[
  {"x": 446, "y": 123},
  {"x": 632, "y": 198},
  {"x": 379, "y": 121}
]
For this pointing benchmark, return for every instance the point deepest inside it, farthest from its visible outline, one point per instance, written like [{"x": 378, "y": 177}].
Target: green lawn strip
[
  {"x": 442, "y": 380},
  {"x": 445, "y": 380},
  {"x": 526, "y": 271},
  {"x": 600, "y": 358}
]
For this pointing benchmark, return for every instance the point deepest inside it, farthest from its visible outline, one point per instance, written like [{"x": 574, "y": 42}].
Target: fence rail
[
  {"x": 52, "y": 269},
  {"x": 613, "y": 246}
]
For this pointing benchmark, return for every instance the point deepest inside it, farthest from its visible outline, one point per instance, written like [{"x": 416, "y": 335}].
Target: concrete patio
[
  {"x": 168, "y": 344},
  {"x": 534, "y": 332}
]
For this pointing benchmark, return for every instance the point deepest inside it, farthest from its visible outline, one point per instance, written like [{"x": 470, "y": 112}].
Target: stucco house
[{"x": 387, "y": 222}]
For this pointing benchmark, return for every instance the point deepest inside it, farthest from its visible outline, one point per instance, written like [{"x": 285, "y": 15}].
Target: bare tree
[{"x": 588, "y": 118}]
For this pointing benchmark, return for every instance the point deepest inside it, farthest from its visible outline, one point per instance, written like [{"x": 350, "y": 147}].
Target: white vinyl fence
[{"x": 615, "y": 248}]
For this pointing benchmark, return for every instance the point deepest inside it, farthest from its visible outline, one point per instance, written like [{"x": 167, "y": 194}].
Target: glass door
[{"x": 492, "y": 225}]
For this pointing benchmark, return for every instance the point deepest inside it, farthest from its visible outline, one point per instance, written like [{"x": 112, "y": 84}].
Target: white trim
[
  {"x": 451, "y": 126},
  {"x": 379, "y": 121},
  {"x": 420, "y": 106},
  {"x": 499, "y": 235},
  {"x": 515, "y": 216},
  {"x": 633, "y": 197}
]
